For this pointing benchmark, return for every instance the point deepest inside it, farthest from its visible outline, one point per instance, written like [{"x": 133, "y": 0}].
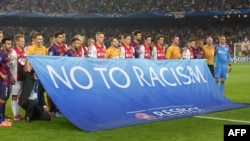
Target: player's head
[
  {"x": 137, "y": 35},
  {"x": 126, "y": 39},
  {"x": 75, "y": 43},
  {"x": 192, "y": 43},
  {"x": 19, "y": 40},
  {"x": 160, "y": 39},
  {"x": 7, "y": 44},
  {"x": 148, "y": 39},
  {"x": 91, "y": 41},
  {"x": 99, "y": 37},
  {"x": 58, "y": 37},
  {"x": 222, "y": 39},
  {"x": 175, "y": 40},
  {"x": 37, "y": 38},
  {"x": 209, "y": 40},
  {"x": 114, "y": 42}
]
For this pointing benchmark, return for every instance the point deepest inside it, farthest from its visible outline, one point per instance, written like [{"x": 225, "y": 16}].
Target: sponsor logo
[{"x": 144, "y": 116}]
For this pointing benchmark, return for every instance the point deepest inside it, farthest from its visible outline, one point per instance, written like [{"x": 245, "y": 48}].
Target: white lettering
[
  {"x": 72, "y": 71},
  {"x": 231, "y": 132},
  {"x": 140, "y": 75},
  {"x": 124, "y": 73},
  {"x": 178, "y": 70},
  {"x": 154, "y": 77},
  {"x": 197, "y": 75},
  {"x": 103, "y": 76},
  {"x": 175, "y": 76},
  {"x": 53, "y": 73},
  {"x": 164, "y": 80}
]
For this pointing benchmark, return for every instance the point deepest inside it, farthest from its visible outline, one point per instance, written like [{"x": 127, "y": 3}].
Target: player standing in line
[
  {"x": 6, "y": 79},
  {"x": 82, "y": 50},
  {"x": 209, "y": 51},
  {"x": 63, "y": 45},
  {"x": 188, "y": 52},
  {"x": 75, "y": 44},
  {"x": 158, "y": 51},
  {"x": 145, "y": 49},
  {"x": 98, "y": 50},
  {"x": 113, "y": 52},
  {"x": 222, "y": 62},
  {"x": 37, "y": 47},
  {"x": 18, "y": 55},
  {"x": 55, "y": 50},
  {"x": 174, "y": 51},
  {"x": 127, "y": 51},
  {"x": 137, "y": 36}
]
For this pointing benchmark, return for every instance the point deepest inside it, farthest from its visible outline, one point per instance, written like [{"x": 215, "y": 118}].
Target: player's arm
[
  {"x": 108, "y": 53},
  {"x": 52, "y": 51},
  {"x": 168, "y": 53},
  {"x": 154, "y": 53},
  {"x": 142, "y": 51},
  {"x": 229, "y": 61},
  {"x": 92, "y": 52},
  {"x": 122, "y": 52}
]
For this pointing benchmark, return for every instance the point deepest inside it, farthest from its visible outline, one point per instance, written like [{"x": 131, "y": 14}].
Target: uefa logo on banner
[{"x": 144, "y": 116}]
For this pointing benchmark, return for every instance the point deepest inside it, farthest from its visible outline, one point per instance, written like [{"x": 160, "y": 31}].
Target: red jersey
[
  {"x": 20, "y": 54},
  {"x": 129, "y": 52},
  {"x": 101, "y": 51},
  {"x": 160, "y": 52},
  {"x": 63, "y": 48},
  {"x": 148, "y": 53}
]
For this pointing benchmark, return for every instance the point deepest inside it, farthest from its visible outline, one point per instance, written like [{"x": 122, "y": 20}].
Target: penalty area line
[{"x": 224, "y": 119}]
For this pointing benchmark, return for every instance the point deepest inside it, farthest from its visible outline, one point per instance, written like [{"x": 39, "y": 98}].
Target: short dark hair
[
  {"x": 112, "y": 38},
  {"x": 74, "y": 39},
  {"x": 5, "y": 39},
  {"x": 57, "y": 33},
  {"x": 159, "y": 36},
  {"x": 136, "y": 32}
]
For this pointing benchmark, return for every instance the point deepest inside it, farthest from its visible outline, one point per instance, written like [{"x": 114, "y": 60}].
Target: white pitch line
[{"x": 232, "y": 120}]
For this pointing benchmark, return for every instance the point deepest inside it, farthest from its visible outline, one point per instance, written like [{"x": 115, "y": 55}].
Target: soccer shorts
[
  {"x": 17, "y": 88},
  {"x": 4, "y": 91},
  {"x": 221, "y": 72}
]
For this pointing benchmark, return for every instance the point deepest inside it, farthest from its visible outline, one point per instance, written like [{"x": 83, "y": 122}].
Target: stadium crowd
[
  {"x": 120, "y": 6},
  {"x": 234, "y": 34}
]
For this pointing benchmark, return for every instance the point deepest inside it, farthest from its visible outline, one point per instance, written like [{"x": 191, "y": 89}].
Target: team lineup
[{"x": 19, "y": 80}]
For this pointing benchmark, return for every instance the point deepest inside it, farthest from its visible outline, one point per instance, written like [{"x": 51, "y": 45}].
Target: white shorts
[{"x": 17, "y": 88}]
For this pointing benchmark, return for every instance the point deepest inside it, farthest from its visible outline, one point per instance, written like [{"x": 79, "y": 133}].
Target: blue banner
[{"x": 98, "y": 94}]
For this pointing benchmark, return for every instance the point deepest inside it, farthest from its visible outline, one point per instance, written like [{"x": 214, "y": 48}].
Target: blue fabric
[{"x": 98, "y": 94}]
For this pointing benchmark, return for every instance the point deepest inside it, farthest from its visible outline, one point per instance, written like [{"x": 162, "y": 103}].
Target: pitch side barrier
[
  {"x": 99, "y": 94},
  {"x": 237, "y": 59}
]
